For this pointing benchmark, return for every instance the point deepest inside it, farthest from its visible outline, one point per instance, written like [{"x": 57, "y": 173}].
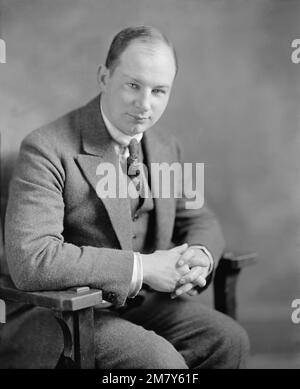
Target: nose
[{"x": 143, "y": 101}]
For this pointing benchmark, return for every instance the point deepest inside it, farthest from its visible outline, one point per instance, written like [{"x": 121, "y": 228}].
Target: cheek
[
  {"x": 159, "y": 107},
  {"x": 118, "y": 95},
  {"x": 125, "y": 96},
  {"x": 118, "y": 102}
]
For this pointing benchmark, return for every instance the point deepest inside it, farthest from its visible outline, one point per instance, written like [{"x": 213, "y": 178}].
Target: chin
[
  {"x": 136, "y": 130},
  {"x": 139, "y": 130}
]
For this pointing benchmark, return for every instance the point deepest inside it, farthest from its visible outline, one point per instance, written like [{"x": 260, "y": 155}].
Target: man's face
[{"x": 136, "y": 94}]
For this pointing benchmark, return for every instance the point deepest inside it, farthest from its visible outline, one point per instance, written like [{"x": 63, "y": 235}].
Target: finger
[
  {"x": 192, "y": 275},
  {"x": 193, "y": 292},
  {"x": 180, "y": 249},
  {"x": 198, "y": 259},
  {"x": 200, "y": 281},
  {"x": 183, "y": 289},
  {"x": 186, "y": 257},
  {"x": 183, "y": 270}
]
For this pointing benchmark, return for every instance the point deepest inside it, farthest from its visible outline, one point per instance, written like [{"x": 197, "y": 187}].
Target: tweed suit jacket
[{"x": 59, "y": 233}]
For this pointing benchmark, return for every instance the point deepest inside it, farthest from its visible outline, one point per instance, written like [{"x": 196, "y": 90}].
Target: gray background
[{"x": 235, "y": 107}]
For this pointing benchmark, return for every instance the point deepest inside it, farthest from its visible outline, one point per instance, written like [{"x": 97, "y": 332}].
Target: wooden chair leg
[
  {"x": 78, "y": 332},
  {"x": 225, "y": 280},
  {"x": 84, "y": 338},
  {"x": 225, "y": 289},
  {"x": 66, "y": 360}
]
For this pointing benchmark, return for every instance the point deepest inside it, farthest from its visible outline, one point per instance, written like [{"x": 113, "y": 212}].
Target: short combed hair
[{"x": 121, "y": 41}]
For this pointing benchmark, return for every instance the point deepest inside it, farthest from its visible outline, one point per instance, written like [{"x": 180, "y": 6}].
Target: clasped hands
[
  {"x": 193, "y": 266},
  {"x": 179, "y": 270}
]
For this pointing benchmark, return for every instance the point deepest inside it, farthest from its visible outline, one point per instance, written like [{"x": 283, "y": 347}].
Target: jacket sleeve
[{"x": 37, "y": 255}]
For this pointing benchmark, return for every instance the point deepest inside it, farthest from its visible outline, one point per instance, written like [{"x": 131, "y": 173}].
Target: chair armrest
[
  {"x": 238, "y": 260},
  {"x": 72, "y": 299},
  {"x": 73, "y": 310}
]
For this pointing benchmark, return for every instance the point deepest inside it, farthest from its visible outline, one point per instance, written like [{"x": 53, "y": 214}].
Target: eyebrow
[{"x": 139, "y": 82}]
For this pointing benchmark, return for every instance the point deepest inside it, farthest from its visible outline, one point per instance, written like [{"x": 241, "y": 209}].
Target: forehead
[{"x": 151, "y": 62}]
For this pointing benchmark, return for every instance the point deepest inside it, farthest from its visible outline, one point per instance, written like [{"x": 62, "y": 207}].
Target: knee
[
  {"x": 244, "y": 345},
  {"x": 234, "y": 345},
  {"x": 160, "y": 354},
  {"x": 144, "y": 350}
]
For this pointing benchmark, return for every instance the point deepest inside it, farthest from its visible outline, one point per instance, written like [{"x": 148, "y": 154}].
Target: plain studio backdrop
[{"x": 234, "y": 106}]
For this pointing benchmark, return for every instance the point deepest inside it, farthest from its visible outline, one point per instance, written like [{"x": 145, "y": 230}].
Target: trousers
[{"x": 165, "y": 333}]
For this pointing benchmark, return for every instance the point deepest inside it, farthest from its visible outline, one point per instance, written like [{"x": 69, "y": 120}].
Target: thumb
[{"x": 180, "y": 249}]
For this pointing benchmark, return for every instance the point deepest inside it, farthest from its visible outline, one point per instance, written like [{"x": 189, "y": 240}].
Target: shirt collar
[{"x": 117, "y": 135}]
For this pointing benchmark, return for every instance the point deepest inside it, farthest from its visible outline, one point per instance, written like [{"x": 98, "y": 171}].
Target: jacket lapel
[
  {"x": 157, "y": 152},
  {"x": 97, "y": 149}
]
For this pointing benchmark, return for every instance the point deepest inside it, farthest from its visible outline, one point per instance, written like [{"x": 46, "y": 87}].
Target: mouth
[{"x": 138, "y": 118}]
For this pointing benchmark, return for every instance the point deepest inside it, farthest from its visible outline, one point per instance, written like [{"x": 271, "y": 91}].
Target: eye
[
  {"x": 159, "y": 91},
  {"x": 132, "y": 85}
]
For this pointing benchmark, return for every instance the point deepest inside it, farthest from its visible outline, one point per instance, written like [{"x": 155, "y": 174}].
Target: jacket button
[
  {"x": 135, "y": 216},
  {"x": 133, "y": 236},
  {"x": 110, "y": 296}
]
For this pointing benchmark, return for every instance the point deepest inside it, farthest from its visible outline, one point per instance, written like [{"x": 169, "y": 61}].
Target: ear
[{"x": 102, "y": 76}]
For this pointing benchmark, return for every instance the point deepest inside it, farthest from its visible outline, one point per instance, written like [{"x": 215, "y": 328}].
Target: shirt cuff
[
  {"x": 210, "y": 257},
  {"x": 137, "y": 276}
]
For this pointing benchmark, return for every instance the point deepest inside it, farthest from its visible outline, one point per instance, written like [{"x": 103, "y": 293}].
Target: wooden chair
[{"x": 73, "y": 308}]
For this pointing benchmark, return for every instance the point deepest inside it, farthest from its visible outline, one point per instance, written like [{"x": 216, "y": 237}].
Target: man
[{"x": 62, "y": 231}]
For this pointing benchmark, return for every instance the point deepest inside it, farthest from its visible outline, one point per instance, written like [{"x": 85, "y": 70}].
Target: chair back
[
  {"x": 1, "y": 218},
  {"x": 6, "y": 171}
]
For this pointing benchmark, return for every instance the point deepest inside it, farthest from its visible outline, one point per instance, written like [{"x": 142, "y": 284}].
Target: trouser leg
[
  {"x": 120, "y": 344},
  {"x": 204, "y": 337}
]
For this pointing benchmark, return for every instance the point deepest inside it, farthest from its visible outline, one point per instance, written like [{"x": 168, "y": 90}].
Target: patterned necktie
[{"x": 133, "y": 169}]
